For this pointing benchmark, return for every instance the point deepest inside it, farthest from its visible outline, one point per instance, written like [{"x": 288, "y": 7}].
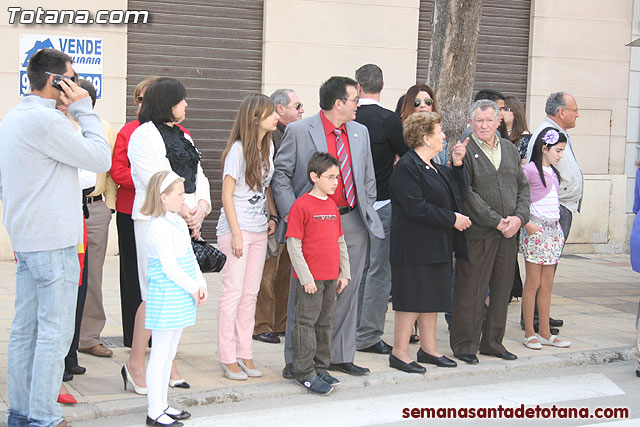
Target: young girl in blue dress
[
  {"x": 541, "y": 239},
  {"x": 176, "y": 287}
]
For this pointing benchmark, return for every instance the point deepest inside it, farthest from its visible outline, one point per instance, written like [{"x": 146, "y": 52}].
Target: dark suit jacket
[
  {"x": 385, "y": 132},
  {"x": 290, "y": 179},
  {"x": 421, "y": 221}
]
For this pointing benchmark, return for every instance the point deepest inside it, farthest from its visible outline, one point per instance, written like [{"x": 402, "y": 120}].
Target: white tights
[{"x": 163, "y": 351}]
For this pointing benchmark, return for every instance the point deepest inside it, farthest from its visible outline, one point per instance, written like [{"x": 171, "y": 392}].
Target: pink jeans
[{"x": 238, "y": 293}]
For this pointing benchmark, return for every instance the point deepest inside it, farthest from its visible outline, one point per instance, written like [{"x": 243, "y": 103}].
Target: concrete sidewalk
[{"x": 596, "y": 295}]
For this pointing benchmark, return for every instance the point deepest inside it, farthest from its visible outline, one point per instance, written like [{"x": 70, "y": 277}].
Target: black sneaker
[
  {"x": 327, "y": 378},
  {"x": 316, "y": 385}
]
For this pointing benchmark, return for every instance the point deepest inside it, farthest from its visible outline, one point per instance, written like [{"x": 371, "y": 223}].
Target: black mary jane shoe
[
  {"x": 152, "y": 422},
  {"x": 183, "y": 415},
  {"x": 442, "y": 361},
  {"x": 410, "y": 368}
]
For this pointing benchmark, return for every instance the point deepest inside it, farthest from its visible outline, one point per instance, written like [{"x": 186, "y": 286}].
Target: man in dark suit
[
  {"x": 332, "y": 130},
  {"x": 385, "y": 132},
  {"x": 271, "y": 306},
  {"x": 498, "y": 204}
]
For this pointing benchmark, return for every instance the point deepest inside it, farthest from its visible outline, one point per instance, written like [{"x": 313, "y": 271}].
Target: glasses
[
  {"x": 72, "y": 78},
  {"x": 356, "y": 99},
  {"x": 296, "y": 106},
  {"x": 575, "y": 110},
  {"x": 139, "y": 99},
  {"x": 428, "y": 102},
  {"x": 330, "y": 177},
  {"x": 507, "y": 109}
]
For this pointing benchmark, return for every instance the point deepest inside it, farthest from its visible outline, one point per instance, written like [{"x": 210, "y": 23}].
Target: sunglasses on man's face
[
  {"x": 428, "y": 102},
  {"x": 61, "y": 76}
]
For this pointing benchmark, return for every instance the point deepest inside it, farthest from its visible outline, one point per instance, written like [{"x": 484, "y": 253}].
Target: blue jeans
[{"x": 42, "y": 329}]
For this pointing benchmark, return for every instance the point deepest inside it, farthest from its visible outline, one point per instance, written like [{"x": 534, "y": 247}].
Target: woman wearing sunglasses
[{"x": 420, "y": 98}]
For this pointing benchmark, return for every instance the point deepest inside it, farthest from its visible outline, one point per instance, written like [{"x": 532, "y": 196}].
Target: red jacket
[{"x": 121, "y": 168}]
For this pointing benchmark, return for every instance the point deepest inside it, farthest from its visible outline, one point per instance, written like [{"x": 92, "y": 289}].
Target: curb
[{"x": 282, "y": 388}]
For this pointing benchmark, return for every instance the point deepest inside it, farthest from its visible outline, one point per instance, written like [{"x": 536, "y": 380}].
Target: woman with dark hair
[
  {"x": 426, "y": 199},
  {"x": 421, "y": 98},
  {"x": 159, "y": 144},
  {"x": 514, "y": 125}
]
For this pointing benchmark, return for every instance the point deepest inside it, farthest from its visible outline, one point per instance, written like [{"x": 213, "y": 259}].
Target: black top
[
  {"x": 182, "y": 155},
  {"x": 385, "y": 132},
  {"x": 424, "y": 203},
  {"x": 524, "y": 144}
]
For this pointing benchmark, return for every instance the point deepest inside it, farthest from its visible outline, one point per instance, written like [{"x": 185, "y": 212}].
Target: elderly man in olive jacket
[{"x": 498, "y": 204}]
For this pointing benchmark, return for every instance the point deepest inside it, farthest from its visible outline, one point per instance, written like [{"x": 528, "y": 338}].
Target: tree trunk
[{"x": 452, "y": 61}]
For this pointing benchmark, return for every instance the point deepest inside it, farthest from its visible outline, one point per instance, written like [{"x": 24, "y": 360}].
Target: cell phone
[{"x": 57, "y": 78}]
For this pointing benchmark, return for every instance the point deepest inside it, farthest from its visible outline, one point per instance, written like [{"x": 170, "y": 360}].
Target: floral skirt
[{"x": 545, "y": 246}]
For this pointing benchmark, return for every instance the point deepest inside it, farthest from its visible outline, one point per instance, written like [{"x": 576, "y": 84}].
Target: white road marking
[{"x": 387, "y": 409}]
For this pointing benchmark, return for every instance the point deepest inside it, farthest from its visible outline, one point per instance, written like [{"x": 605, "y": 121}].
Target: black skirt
[{"x": 421, "y": 288}]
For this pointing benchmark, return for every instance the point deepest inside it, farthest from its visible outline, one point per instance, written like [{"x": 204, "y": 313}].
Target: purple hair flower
[{"x": 551, "y": 137}]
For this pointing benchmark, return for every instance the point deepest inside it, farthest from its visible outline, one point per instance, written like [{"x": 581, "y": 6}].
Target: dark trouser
[
  {"x": 71, "y": 360},
  {"x": 566, "y": 218},
  {"x": 490, "y": 267},
  {"x": 129, "y": 286},
  {"x": 271, "y": 306},
  {"x": 312, "y": 329}
]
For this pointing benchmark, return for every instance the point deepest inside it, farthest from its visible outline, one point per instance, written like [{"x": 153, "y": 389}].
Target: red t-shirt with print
[{"x": 317, "y": 223}]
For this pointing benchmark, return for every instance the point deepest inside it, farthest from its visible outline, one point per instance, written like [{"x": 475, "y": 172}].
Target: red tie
[{"x": 345, "y": 169}]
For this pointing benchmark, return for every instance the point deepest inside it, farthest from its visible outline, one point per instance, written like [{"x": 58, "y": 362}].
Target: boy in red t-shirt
[{"x": 318, "y": 253}]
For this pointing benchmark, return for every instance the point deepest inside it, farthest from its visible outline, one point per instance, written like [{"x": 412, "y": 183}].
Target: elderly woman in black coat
[{"x": 426, "y": 228}]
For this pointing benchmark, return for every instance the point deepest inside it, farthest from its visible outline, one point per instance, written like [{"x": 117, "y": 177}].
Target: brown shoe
[
  {"x": 97, "y": 350},
  {"x": 63, "y": 423}
]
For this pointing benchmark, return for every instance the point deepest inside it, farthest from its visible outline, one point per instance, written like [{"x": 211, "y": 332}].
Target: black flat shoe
[
  {"x": 268, "y": 337},
  {"x": 471, "y": 359},
  {"x": 380, "y": 347},
  {"x": 442, "y": 361},
  {"x": 183, "y": 415},
  {"x": 77, "y": 370},
  {"x": 67, "y": 376},
  {"x": 637, "y": 373},
  {"x": 505, "y": 355},
  {"x": 556, "y": 323},
  {"x": 410, "y": 368},
  {"x": 287, "y": 372},
  {"x": 349, "y": 368},
  {"x": 181, "y": 383},
  {"x": 152, "y": 422}
]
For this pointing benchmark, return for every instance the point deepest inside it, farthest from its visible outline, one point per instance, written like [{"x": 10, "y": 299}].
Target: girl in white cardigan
[{"x": 176, "y": 286}]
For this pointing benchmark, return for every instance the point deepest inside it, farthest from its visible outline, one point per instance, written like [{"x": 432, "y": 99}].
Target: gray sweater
[
  {"x": 40, "y": 153},
  {"x": 494, "y": 194}
]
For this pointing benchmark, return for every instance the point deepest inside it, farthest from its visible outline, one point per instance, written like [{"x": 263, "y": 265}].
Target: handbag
[{"x": 209, "y": 258}]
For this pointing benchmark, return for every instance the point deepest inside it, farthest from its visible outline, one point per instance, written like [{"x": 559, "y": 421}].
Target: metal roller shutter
[
  {"x": 215, "y": 50},
  {"x": 503, "y": 45}
]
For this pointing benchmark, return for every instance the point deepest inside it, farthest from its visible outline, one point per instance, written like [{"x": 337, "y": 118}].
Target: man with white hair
[{"x": 497, "y": 203}]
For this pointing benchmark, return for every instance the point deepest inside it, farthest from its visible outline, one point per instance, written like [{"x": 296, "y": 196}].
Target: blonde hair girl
[{"x": 176, "y": 287}]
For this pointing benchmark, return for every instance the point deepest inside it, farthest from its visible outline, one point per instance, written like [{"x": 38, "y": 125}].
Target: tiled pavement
[{"x": 596, "y": 295}]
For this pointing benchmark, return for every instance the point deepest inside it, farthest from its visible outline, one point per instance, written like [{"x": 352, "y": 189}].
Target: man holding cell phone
[{"x": 40, "y": 154}]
